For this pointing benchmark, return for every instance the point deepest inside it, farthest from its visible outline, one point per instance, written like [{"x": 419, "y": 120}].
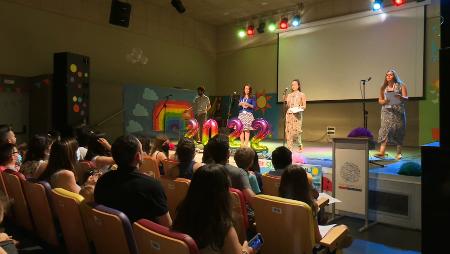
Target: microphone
[
  {"x": 234, "y": 92},
  {"x": 366, "y": 80}
]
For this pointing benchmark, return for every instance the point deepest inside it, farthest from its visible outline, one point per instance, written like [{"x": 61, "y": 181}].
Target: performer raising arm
[
  {"x": 296, "y": 104},
  {"x": 247, "y": 103}
]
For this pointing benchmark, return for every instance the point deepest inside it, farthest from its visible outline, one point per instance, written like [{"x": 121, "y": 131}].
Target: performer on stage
[
  {"x": 201, "y": 105},
  {"x": 247, "y": 103},
  {"x": 296, "y": 104},
  {"x": 393, "y": 95}
]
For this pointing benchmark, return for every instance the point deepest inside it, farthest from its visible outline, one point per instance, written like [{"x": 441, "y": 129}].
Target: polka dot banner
[{"x": 73, "y": 68}]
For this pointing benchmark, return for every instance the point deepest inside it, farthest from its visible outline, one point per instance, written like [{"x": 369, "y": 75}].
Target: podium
[{"x": 351, "y": 177}]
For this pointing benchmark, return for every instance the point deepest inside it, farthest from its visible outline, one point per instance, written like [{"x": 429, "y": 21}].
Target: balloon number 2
[
  {"x": 264, "y": 130},
  {"x": 237, "y": 125}
]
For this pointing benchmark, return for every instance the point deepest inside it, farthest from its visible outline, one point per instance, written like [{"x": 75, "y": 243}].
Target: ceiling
[{"x": 220, "y": 12}]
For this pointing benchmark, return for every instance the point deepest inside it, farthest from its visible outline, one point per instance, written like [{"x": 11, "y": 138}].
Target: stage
[{"x": 393, "y": 198}]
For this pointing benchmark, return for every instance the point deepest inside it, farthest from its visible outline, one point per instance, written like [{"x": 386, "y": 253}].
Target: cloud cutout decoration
[
  {"x": 140, "y": 110},
  {"x": 136, "y": 56},
  {"x": 134, "y": 126},
  {"x": 149, "y": 95}
]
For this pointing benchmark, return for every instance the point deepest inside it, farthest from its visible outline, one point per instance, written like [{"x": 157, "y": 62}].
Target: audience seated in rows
[
  {"x": 125, "y": 189},
  {"x": 244, "y": 158},
  {"x": 205, "y": 213},
  {"x": 184, "y": 154},
  {"x": 281, "y": 158},
  {"x": 36, "y": 158}
]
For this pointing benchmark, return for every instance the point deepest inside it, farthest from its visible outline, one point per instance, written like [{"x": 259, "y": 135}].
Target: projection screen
[{"x": 331, "y": 57}]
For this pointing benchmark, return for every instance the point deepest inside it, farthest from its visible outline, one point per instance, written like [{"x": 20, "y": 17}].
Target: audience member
[
  {"x": 82, "y": 133},
  {"x": 206, "y": 158},
  {"x": 8, "y": 157},
  {"x": 244, "y": 158},
  {"x": 281, "y": 158},
  {"x": 125, "y": 189},
  {"x": 7, "y": 134},
  {"x": 61, "y": 164},
  {"x": 7, "y": 244},
  {"x": 145, "y": 142},
  {"x": 36, "y": 158},
  {"x": 160, "y": 151},
  {"x": 184, "y": 154},
  {"x": 295, "y": 185},
  {"x": 99, "y": 152},
  {"x": 256, "y": 169},
  {"x": 219, "y": 149},
  {"x": 205, "y": 213}
]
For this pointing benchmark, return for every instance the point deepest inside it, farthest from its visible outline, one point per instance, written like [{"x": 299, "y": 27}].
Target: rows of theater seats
[{"x": 65, "y": 222}]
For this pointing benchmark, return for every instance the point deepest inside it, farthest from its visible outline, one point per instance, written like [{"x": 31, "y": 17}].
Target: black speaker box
[
  {"x": 70, "y": 91},
  {"x": 444, "y": 103},
  {"x": 120, "y": 13}
]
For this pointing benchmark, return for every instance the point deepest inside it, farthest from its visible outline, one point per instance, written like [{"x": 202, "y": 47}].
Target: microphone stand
[
  {"x": 229, "y": 108},
  {"x": 284, "y": 117},
  {"x": 164, "y": 117},
  {"x": 365, "y": 114}
]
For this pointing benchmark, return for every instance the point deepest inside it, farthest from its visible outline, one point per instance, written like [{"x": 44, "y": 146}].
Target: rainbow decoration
[{"x": 172, "y": 115}]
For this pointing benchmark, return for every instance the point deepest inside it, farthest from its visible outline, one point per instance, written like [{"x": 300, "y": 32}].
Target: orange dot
[{"x": 76, "y": 108}]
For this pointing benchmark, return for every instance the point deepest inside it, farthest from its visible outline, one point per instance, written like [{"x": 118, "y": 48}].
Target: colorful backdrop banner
[{"x": 156, "y": 110}]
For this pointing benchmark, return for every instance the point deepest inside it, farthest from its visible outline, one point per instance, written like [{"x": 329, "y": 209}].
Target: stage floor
[{"x": 316, "y": 153}]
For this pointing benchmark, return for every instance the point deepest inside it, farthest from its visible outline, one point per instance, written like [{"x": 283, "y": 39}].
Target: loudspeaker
[
  {"x": 178, "y": 5},
  {"x": 120, "y": 13},
  {"x": 444, "y": 95},
  {"x": 70, "y": 91}
]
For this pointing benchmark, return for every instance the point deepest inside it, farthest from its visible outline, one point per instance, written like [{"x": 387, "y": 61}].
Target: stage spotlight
[
  {"x": 261, "y": 27},
  {"x": 178, "y": 5},
  {"x": 296, "y": 20},
  {"x": 272, "y": 27},
  {"x": 399, "y": 2},
  {"x": 377, "y": 5},
  {"x": 250, "y": 30},
  {"x": 284, "y": 23},
  {"x": 241, "y": 33}
]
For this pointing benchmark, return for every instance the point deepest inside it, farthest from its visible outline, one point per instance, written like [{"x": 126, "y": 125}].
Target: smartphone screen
[{"x": 256, "y": 242}]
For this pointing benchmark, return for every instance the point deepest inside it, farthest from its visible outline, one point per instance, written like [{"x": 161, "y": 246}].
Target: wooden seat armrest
[
  {"x": 333, "y": 237},
  {"x": 322, "y": 202}
]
